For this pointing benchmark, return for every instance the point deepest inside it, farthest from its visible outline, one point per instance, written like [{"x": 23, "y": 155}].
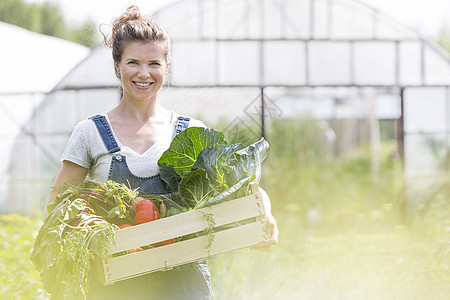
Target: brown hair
[{"x": 132, "y": 26}]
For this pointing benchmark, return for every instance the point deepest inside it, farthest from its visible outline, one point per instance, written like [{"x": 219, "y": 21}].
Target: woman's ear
[
  {"x": 167, "y": 67},
  {"x": 116, "y": 69}
]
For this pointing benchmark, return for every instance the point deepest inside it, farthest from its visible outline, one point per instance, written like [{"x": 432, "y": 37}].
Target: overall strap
[
  {"x": 182, "y": 124},
  {"x": 106, "y": 133}
]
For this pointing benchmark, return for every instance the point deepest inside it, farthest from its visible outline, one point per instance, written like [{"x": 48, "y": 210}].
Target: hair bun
[{"x": 132, "y": 13}]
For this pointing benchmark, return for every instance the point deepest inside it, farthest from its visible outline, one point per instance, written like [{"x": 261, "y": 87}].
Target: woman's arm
[{"x": 69, "y": 173}]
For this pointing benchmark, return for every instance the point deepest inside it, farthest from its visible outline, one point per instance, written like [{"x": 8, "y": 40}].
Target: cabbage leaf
[
  {"x": 204, "y": 170},
  {"x": 178, "y": 160}
]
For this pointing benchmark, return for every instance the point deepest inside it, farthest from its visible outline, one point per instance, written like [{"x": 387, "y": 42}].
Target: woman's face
[{"x": 142, "y": 70}]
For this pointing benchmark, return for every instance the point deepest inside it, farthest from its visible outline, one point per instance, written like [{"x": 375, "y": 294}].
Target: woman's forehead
[{"x": 143, "y": 50}]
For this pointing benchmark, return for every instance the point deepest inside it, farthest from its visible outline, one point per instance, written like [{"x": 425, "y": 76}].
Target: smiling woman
[{"x": 124, "y": 144}]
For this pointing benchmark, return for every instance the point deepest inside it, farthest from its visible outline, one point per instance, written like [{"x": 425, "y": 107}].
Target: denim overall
[{"x": 190, "y": 281}]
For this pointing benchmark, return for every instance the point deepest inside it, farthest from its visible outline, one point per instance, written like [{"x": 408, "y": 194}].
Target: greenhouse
[
  {"x": 34, "y": 63},
  {"x": 239, "y": 65}
]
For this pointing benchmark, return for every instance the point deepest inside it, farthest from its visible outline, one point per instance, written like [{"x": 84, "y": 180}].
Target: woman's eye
[
  {"x": 132, "y": 62},
  {"x": 155, "y": 64}
]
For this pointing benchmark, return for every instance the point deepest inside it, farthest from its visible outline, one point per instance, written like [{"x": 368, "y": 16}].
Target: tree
[
  {"x": 46, "y": 18},
  {"x": 52, "y": 22},
  {"x": 86, "y": 34}
]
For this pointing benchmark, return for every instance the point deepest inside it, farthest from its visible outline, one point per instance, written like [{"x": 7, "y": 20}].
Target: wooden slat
[
  {"x": 169, "y": 256},
  {"x": 187, "y": 223}
]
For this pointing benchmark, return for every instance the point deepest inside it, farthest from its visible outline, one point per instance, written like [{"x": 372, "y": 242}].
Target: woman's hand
[
  {"x": 272, "y": 233},
  {"x": 271, "y": 226}
]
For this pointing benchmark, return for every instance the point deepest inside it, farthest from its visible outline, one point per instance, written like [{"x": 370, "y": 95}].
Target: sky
[{"x": 425, "y": 16}]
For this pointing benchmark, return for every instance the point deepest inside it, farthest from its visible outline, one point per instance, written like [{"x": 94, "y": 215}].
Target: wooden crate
[{"x": 166, "y": 257}]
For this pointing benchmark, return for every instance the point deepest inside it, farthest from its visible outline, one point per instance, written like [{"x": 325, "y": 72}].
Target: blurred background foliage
[{"x": 46, "y": 18}]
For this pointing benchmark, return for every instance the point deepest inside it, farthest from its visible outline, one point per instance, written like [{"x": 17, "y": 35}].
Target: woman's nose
[{"x": 144, "y": 71}]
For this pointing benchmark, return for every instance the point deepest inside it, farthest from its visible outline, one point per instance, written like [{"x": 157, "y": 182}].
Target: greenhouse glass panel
[
  {"x": 14, "y": 111},
  {"x": 239, "y": 63},
  {"x": 275, "y": 15},
  {"x": 374, "y": 63},
  {"x": 56, "y": 110},
  {"x": 329, "y": 62},
  {"x": 209, "y": 18},
  {"x": 424, "y": 110},
  {"x": 27, "y": 203},
  {"x": 189, "y": 12},
  {"x": 296, "y": 102},
  {"x": 285, "y": 19},
  {"x": 250, "y": 25},
  {"x": 212, "y": 105},
  {"x": 42, "y": 153},
  {"x": 239, "y": 19},
  {"x": 50, "y": 156},
  {"x": 77, "y": 105},
  {"x": 437, "y": 69},
  {"x": 386, "y": 28},
  {"x": 284, "y": 62},
  {"x": 350, "y": 21},
  {"x": 22, "y": 163},
  {"x": 96, "y": 101},
  {"x": 7, "y": 142},
  {"x": 96, "y": 70},
  {"x": 410, "y": 57},
  {"x": 193, "y": 63},
  {"x": 322, "y": 19},
  {"x": 426, "y": 155},
  {"x": 35, "y": 163},
  {"x": 387, "y": 105}
]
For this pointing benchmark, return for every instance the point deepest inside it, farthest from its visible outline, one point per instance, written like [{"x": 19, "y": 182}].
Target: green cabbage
[{"x": 202, "y": 169}]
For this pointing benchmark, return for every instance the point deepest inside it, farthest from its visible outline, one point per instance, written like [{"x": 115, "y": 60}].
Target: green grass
[
  {"x": 358, "y": 245},
  {"x": 393, "y": 263},
  {"x": 18, "y": 278}
]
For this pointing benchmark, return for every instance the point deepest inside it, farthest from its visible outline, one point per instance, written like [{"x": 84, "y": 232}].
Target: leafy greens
[
  {"x": 61, "y": 250},
  {"x": 209, "y": 171}
]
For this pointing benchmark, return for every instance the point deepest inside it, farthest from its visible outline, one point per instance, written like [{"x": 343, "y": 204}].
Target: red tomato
[{"x": 146, "y": 211}]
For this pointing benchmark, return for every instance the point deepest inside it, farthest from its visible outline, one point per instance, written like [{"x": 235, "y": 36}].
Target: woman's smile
[{"x": 142, "y": 85}]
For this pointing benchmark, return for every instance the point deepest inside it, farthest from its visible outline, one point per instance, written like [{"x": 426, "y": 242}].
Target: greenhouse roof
[
  {"x": 284, "y": 43},
  {"x": 52, "y": 58}
]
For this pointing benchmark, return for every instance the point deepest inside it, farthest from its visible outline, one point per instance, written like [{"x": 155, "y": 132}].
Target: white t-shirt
[{"x": 87, "y": 149}]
